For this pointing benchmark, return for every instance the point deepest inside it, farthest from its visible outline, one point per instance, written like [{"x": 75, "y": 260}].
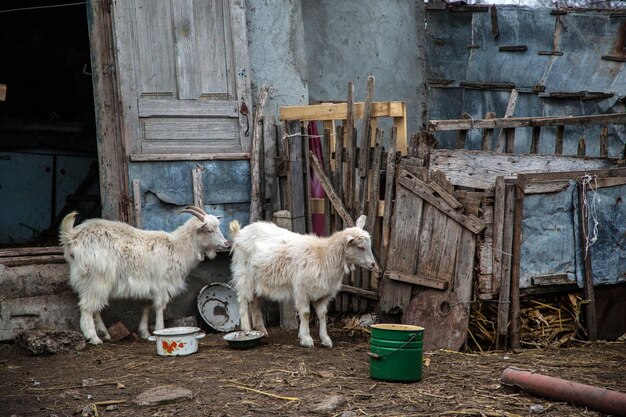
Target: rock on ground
[
  {"x": 163, "y": 394},
  {"x": 39, "y": 342},
  {"x": 328, "y": 404}
]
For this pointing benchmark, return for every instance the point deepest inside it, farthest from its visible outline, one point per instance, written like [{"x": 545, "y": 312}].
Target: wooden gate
[{"x": 428, "y": 276}]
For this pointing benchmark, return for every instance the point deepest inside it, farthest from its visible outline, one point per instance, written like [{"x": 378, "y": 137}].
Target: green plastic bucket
[{"x": 396, "y": 352}]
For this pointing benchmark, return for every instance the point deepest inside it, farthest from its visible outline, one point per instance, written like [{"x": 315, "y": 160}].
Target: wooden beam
[
  {"x": 590, "y": 300},
  {"x": 558, "y": 144},
  {"x": 48, "y": 250},
  {"x": 515, "y": 267},
  {"x": 137, "y": 203},
  {"x": 417, "y": 280},
  {"x": 372, "y": 295},
  {"x": 503, "y": 123},
  {"x": 487, "y": 135},
  {"x": 604, "y": 142},
  {"x": 534, "y": 145},
  {"x": 390, "y": 177},
  {"x": 257, "y": 152},
  {"x": 502, "y": 143},
  {"x": 424, "y": 191},
  {"x": 330, "y": 191},
  {"x": 339, "y": 111},
  {"x": 32, "y": 260},
  {"x": 238, "y": 156}
]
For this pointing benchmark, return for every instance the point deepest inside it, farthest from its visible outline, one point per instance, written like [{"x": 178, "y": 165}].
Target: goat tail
[
  {"x": 67, "y": 228},
  {"x": 235, "y": 227}
]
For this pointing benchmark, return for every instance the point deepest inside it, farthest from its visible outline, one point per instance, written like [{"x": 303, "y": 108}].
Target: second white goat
[{"x": 274, "y": 263}]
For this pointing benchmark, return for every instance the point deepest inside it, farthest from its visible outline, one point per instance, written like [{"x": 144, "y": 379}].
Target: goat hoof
[
  {"x": 144, "y": 335},
  {"x": 95, "y": 341},
  {"x": 306, "y": 341},
  {"x": 107, "y": 337},
  {"x": 327, "y": 342}
]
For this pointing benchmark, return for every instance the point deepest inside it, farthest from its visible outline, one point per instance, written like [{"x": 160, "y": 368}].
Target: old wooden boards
[{"x": 432, "y": 246}]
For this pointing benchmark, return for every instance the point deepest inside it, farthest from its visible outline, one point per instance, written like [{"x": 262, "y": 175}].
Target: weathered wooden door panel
[
  {"x": 183, "y": 75},
  {"x": 433, "y": 250}
]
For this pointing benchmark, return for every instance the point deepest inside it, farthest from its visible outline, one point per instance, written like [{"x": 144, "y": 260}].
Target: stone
[
  {"x": 118, "y": 331},
  {"x": 163, "y": 394},
  {"x": 39, "y": 342},
  {"x": 328, "y": 404}
]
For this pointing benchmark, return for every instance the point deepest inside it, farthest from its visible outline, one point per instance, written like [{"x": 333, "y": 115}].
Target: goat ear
[
  {"x": 350, "y": 240},
  {"x": 360, "y": 222}
]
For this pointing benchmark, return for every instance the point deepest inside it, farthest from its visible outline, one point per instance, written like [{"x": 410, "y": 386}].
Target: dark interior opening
[{"x": 48, "y": 152}]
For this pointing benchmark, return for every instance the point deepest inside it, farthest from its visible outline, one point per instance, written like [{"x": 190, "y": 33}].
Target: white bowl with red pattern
[{"x": 177, "y": 341}]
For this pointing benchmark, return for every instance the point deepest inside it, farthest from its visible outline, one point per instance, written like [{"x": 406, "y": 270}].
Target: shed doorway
[{"x": 48, "y": 148}]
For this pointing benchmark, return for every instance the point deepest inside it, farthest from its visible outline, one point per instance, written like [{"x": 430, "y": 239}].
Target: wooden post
[
  {"x": 390, "y": 179},
  {"x": 501, "y": 143},
  {"x": 590, "y": 300},
  {"x": 270, "y": 147},
  {"x": 487, "y": 136},
  {"x": 515, "y": 267},
  {"x": 198, "y": 188},
  {"x": 534, "y": 145},
  {"x": 558, "y": 144},
  {"x": 307, "y": 179},
  {"x": 256, "y": 203},
  {"x": 495, "y": 30},
  {"x": 604, "y": 142},
  {"x": 339, "y": 171},
  {"x": 349, "y": 134},
  {"x": 462, "y": 134},
  {"x": 582, "y": 147},
  {"x": 295, "y": 191},
  {"x": 326, "y": 155},
  {"x": 137, "y": 203}
]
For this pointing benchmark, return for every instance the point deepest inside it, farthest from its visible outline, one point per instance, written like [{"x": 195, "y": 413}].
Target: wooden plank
[
  {"x": 582, "y": 147},
  {"x": 32, "y": 260},
  {"x": 390, "y": 175},
  {"x": 366, "y": 131},
  {"x": 487, "y": 134},
  {"x": 498, "y": 231},
  {"x": 306, "y": 150},
  {"x": 515, "y": 267},
  {"x": 338, "y": 173},
  {"x": 198, "y": 187},
  {"x": 348, "y": 187},
  {"x": 534, "y": 144},
  {"x": 236, "y": 156},
  {"x": 330, "y": 191},
  {"x": 327, "y": 169},
  {"x": 558, "y": 144},
  {"x": 553, "y": 279},
  {"x": 512, "y": 122},
  {"x": 501, "y": 142},
  {"x": 604, "y": 142},
  {"x": 510, "y": 140},
  {"x": 424, "y": 191},
  {"x": 445, "y": 195},
  {"x": 257, "y": 153},
  {"x": 505, "y": 276},
  {"x": 495, "y": 30},
  {"x": 3, "y": 92},
  {"x": 399, "y": 123},
  {"x": 610, "y": 182},
  {"x": 479, "y": 169},
  {"x": 417, "y": 280},
  {"x": 590, "y": 300},
  {"x": 462, "y": 134},
  {"x": 339, "y": 111},
  {"x": 464, "y": 272},
  {"x": 372, "y": 295},
  {"x": 137, "y": 203},
  {"x": 374, "y": 184},
  {"x": 47, "y": 250},
  {"x": 270, "y": 157},
  {"x": 296, "y": 191}
]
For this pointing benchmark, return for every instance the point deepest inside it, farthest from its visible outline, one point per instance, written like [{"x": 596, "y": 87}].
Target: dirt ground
[{"x": 280, "y": 378}]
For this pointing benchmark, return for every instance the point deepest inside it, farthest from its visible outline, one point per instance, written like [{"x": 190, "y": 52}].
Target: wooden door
[{"x": 183, "y": 76}]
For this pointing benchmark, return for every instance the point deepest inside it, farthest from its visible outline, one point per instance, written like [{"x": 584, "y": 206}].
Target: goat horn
[{"x": 195, "y": 211}]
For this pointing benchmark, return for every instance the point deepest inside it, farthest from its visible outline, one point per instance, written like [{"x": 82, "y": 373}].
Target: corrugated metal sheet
[
  {"x": 582, "y": 37},
  {"x": 166, "y": 187}
]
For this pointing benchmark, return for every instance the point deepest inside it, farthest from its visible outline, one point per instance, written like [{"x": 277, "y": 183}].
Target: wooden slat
[
  {"x": 604, "y": 142},
  {"x": 372, "y": 295},
  {"x": 338, "y": 176},
  {"x": 505, "y": 276},
  {"x": 374, "y": 184},
  {"x": 339, "y": 111},
  {"x": 137, "y": 203},
  {"x": 590, "y": 300},
  {"x": 295, "y": 188},
  {"x": 366, "y": 131},
  {"x": 3, "y": 92},
  {"x": 236, "y": 156},
  {"x": 326, "y": 146},
  {"x": 503, "y": 123},
  {"x": 515, "y": 267},
  {"x": 32, "y": 260},
  {"x": 348, "y": 185},
  {"x": 424, "y": 191},
  {"x": 270, "y": 158},
  {"x": 198, "y": 188},
  {"x": 502, "y": 141},
  {"x": 417, "y": 280},
  {"x": 47, "y": 250},
  {"x": 554, "y": 279},
  {"x": 461, "y": 135},
  {"x": 257, "y": 152},
  {"x": 487, "y": 134},
  {"x": 330, "y": 192},
  {"x": 582, "y": 147},
  {"x": 307, "y": 179},
  {"x": 534, "y": 144},
  {"x": 498, "y": 230},
  {"x": 558, "y": 144},
  {"x": 389, "y": 192}
]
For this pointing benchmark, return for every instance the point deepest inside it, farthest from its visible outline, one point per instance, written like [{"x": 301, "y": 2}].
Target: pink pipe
[{"x": 600, "y": 399}]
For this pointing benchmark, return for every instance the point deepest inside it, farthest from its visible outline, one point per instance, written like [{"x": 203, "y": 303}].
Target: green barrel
[{"x": 396, "y": 352}]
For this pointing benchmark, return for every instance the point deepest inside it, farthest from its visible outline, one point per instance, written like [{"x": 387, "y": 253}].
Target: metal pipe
[{"x": 596, "y": 398}]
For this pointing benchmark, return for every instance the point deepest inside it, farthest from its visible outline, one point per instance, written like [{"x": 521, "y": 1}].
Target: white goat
[
  {"x": 271, "y": 262},
  {"x": 113, "y": 259}
]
